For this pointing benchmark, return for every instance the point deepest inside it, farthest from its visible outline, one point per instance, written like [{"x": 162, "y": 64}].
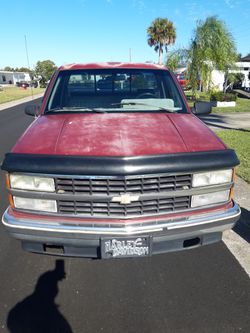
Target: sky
[{"x": 79, "y": 31}]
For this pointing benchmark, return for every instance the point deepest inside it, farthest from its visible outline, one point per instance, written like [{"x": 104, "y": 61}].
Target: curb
[{"x": 8, "y": 105}]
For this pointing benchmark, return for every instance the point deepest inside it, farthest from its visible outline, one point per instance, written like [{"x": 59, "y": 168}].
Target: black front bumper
[{"x": 84, "y": 241}]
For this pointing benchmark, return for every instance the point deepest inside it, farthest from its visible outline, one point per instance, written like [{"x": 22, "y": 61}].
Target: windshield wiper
[
  {"x": 75, "y": 108},
  {"x": 160, "y": 108}
]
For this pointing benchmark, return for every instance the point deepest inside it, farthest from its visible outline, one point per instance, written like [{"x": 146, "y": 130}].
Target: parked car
[
  {"x": 182, "y": 80},
  {"x": 34, "y": 84},
  {"x": 125, "y": 171},
  {"x": 22, "y": 84}
]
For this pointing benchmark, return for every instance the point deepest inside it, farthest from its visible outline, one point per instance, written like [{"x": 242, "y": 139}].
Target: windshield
[{"x": 115, "y": 90}]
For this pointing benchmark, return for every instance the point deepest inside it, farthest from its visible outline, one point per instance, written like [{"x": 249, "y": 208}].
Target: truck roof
[{"x": 110, "y": 65}]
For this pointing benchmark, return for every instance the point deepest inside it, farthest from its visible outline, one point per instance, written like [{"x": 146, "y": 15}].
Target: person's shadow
[{"x": 38, "y": 313}]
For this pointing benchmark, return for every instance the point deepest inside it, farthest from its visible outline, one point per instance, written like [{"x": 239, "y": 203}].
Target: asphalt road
[{"x": 200, "y": 290}]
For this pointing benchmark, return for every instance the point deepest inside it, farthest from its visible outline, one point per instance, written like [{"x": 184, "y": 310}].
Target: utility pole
[
  {"x": 130, "y": 55},
  {"x": 28, "y": 62},
  {"x": 26, "y": 48}
]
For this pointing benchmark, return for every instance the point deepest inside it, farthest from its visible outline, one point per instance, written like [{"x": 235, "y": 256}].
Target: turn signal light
[
  {"x": 232, "y": 188},
  {"x": 7, "y": 179}
]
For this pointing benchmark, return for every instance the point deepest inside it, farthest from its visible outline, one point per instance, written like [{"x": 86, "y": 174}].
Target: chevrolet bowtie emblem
[{"x": 125, "y": 199}]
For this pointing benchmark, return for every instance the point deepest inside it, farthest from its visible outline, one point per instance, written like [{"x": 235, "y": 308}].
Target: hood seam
[
  {"x": 178, "y": 133},
  {"x": 59, "y": 134}
]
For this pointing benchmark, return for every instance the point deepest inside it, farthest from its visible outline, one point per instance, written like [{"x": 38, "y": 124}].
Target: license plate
[{"x": 125, "y": 247}]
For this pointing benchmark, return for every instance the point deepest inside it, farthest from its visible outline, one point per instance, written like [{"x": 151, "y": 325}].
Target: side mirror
[
  {"x": 202, "y": 107},
  {"x": 32, "y": 110}
]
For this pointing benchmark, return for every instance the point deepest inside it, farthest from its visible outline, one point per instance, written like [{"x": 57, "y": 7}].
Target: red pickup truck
[{"x": 116, "y": 165}]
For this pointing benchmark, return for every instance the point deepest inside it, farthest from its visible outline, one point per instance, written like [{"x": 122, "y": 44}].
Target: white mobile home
[
  {"x": 13, "y": 77},
  {"x": 243, "y": 66}
]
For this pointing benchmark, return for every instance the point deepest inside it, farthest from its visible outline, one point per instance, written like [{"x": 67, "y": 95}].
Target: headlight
[
  {"x": 212, "y": 178},
  {"x": 35, "y": 204},
  {"x": 210, "y": 198},
  {"x": 32, "y": 183}
]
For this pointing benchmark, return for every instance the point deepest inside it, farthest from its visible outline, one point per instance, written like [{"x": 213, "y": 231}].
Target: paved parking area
[
  {"x": 218, "y": 121},
  {"x": 238, "y": 239}
]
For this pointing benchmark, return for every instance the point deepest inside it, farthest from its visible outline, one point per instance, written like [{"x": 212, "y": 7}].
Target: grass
[
  {"x": 8, "y": 94},
  {"x": 239, "y": 140},
  {"x": 242, "y": 104}
]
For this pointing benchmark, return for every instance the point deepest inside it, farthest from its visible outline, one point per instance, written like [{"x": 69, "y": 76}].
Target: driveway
[
  {"x": 236, "y": 120},
  {"x": 238, "y": 240}
]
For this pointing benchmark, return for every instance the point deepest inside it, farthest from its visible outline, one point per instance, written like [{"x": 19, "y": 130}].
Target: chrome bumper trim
[{"x": 229, "y": 216}]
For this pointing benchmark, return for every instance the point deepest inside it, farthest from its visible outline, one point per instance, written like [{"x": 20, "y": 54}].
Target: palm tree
[
  {"x": 161, "y": 33},
  {"x": 212, "y": 47}
]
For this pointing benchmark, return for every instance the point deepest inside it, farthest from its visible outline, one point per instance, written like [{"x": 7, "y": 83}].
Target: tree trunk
[
  {"x": 160, "y": 55},
  {"x": 200, "y": 86}
]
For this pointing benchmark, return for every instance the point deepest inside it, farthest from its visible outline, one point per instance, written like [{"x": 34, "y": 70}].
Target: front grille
[
  {"x": 127, "y": 184},
  {"x": 114, "y": 209}
]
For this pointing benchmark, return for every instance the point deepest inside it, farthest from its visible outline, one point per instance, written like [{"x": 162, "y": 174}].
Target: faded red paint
[
  {"x": 109, "y": 65},
  {"x": 117, "y": 134}
]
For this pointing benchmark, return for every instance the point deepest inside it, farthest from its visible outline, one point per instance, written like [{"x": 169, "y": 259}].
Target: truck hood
[{"x": 110, "y": 134}]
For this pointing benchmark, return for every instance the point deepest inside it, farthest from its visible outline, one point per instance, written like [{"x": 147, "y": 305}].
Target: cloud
[
  {"x": 236, "y": 3},
  {"x": 139, "y": 5},
  {"x": 229, "y": 3},
  {"x": 177, "y": 12},
  {"x": 81, "y": 2},
  {"x": 195, "y": 11}
]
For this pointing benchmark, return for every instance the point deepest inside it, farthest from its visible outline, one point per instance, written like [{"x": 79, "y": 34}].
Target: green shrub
[{"x": 220, "y": 96}]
